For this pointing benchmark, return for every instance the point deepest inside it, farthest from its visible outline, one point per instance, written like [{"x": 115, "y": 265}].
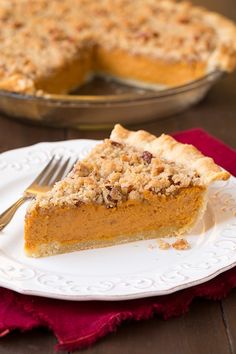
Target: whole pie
[
  {"x": 133, "y": 186},
  {"x": 55, "y": 46}
]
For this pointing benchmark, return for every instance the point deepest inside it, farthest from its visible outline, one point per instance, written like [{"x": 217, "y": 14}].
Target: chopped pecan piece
[
  {"x": 184, "y": 20},
  {"x": 115, "y": 194},
  {"x": 108, "y": 188},
  {"x": 112, "y": 195},
  {"x": 115, "y": 143},
  {"x": 78, "y": 203},
  {"x": 147, "y": 156},
  {"x": 18, "y": 24}
]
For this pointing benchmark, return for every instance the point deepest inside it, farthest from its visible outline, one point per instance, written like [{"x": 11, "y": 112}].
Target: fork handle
[{"x": 8, "y": 214}]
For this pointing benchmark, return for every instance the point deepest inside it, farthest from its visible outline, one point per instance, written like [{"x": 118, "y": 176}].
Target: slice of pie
[
  {"x": 59, "y": 45},
  {"x": 133, "y": 186}
]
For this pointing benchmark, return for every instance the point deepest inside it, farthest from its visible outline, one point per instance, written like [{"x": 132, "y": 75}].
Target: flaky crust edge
[
  {"x": 169, "y": 149},
  {"x": 224, "y": 56}
]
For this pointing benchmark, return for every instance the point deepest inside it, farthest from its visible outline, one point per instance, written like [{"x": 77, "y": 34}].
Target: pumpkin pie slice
[{"x": 133, "y": 186}]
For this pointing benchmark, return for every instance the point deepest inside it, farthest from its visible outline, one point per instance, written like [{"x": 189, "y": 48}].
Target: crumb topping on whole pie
[
  {"x": 161, "y": 29},
  {"x": 38, "y": 37}
]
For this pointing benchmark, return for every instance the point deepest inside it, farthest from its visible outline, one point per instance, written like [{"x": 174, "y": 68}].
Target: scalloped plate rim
[{"x": 23, "y": 289}]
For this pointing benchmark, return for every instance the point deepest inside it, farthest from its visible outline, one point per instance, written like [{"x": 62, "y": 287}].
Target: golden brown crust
[
  {"x": 169, "y": 149},
  {"x": 56, "y": 247},
  {"x": 224, "y": 56}
]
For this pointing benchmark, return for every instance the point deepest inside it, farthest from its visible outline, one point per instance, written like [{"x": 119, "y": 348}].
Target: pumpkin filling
[{"x": 88, "y": 226}]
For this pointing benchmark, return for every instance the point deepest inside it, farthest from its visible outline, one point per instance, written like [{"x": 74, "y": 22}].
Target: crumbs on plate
[
  {"x": 180, "y": 244},
  {"x": 163, "y": 245}
]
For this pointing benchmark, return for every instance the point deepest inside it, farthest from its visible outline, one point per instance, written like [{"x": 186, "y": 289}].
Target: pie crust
[
  {"x": 60, "y": 44},
  {"x": 133, "y": 186}
]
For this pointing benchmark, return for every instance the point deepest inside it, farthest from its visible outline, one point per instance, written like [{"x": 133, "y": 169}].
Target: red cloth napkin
[{"x": 79, "y": 324}]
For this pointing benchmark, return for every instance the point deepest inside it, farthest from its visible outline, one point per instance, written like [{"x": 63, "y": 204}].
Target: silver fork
[{"x": 52, "y": 172}]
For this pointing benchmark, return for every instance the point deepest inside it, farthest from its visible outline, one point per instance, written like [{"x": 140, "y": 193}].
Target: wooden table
[{"x": 210, "y": 326}]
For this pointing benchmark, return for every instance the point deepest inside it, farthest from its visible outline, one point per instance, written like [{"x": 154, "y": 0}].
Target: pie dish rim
[{"x": 69, "y": 99}]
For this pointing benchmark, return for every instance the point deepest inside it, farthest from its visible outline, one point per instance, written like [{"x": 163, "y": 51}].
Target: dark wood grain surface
[{"x": 210, "y": 326}]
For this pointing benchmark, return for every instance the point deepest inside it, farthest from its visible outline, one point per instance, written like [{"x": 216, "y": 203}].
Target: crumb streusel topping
[
  {"x": 39, "y": 36},
  {"x": 113, "y": 173}
]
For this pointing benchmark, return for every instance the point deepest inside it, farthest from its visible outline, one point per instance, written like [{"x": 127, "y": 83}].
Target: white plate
[{"x": 129, "y": 271}]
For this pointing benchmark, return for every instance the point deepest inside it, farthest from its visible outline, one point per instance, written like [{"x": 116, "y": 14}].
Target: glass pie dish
[{"x": 102, "y": 103}]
